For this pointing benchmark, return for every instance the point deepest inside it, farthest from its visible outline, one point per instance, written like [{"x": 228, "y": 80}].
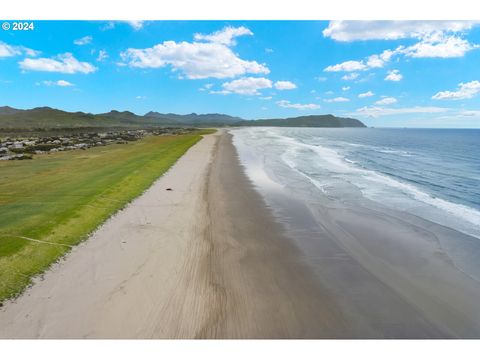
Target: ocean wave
[
  {"x": 395, "y": 152},
  {"x": 464, "y": 212},
  {"x": 340, "y": 165},
  {"x": 287, "y": 160}
]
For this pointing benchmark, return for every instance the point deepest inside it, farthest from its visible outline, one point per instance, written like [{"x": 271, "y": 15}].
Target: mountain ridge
[{"x": 51, "y": 118}]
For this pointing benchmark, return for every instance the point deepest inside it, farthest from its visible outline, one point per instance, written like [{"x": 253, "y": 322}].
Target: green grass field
[{"x": 54, "y": 201}]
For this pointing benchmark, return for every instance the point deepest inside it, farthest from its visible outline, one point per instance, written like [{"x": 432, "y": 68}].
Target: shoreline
[
  {"x": 215, "y": 258},
  {"x": 394, "y": 274},
  {"x": 267, "y": 288}
]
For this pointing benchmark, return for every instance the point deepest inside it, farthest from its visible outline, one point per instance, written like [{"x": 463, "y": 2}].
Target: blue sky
[{"x": 388, "y": 73}]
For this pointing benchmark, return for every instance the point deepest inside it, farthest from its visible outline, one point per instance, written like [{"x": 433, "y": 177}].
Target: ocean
[{"x": 430, "y": 173}]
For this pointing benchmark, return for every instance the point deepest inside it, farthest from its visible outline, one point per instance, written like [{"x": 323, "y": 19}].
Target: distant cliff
[{"x": 329, "y": 121}]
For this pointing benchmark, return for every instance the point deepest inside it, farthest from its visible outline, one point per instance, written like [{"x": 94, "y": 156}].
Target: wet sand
[
  {"x": 210, "y": 259},
  {"x": 392, "y": 274}
]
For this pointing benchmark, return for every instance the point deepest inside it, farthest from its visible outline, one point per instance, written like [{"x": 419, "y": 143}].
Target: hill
[
  {"x": 329, "y": 120},
  {"x": 193, "y": 118},
  {"x": 48, "y": 118},
  {"x": 7, "y": 110},
  {"x": 45, "y": 117}
]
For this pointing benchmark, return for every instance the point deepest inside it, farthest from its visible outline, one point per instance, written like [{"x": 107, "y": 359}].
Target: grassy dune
[{"x": 53, "y": 202}]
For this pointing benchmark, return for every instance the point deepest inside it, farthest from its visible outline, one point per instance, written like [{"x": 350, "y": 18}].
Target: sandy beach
[
  {"x": 202, "y": 261},
  {"x": 211, "y": 259}
]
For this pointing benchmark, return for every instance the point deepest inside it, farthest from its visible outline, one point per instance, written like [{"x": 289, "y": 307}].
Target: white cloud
[
  {"x": 30, "y": 52},
  {"x": 65, "y": 63},
  {"x": 347, "y": 66},
  {"x": 346, "y": 88},
  {"x": 391, "y": 30},
  {"x": 439, "y": 46},
  {"x": 219, "y": 92},
  {"x": 102, "y": 55},
  {"x": 374, "y": 111},
  {"x": 370, "y": 62},
  {"x": 378, "y": 61},
  {"x": 394, "y": 75},
  {"x": 351, "y": 76},
  {"x": 225, "y": 36},
  {"x": 265, "y": 98},
  {"x": 140, "y": 97},
  {"x": 206, "y": 87},
  {"x": 321, "y": 78},
  {"x": 285, "y": 85},
  {"x": 11, "y": 50},
  {"x": 436, "y": 45},
  {"x": 64, "y": 83},
  {"x": 195, "y": 60},
  {"x": 366, "y": 94},
  {"x": 83, "y": 41},
  {"x": 107, "y": 26},
  {"x": 437, "y": 39},
  {"x": 268, "y": 50},
  {"x": 470, "y": 113},
  {"x": 464, "y": 91},
  {"x": 61, "y": 83},
  {"x": 289, "y": 105},
  {"x": 337, "y": 99},
  {"x": 136, "y": 24},
  {"x": 386, "y": 101},
  {"x": 246, "y": 86}
]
